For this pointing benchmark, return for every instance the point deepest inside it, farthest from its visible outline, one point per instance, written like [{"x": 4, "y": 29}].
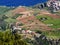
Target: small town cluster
[{"x": 55, "y": 4}]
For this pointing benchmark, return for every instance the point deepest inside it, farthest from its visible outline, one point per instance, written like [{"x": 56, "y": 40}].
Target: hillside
[
  {"x": 30, "y": 23},
  {"x": 31, "y": 18},
  {"x": 4, "y": 9}
]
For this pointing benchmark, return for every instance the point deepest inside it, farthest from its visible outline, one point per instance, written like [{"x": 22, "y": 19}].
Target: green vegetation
[
  {"x": 5, "y": 22},
  {"x": 3, "y": 25},
  {"x": 55, "y": 34},
  {"x": 58, "y": 13},
  {"x": 7, "y": 38},
  {"x": 49, "y": 20},
  {"x": 16, "y": 15},
  {"x": 52, "y": 34},
  {"x": 21, "y": 24},
  {"x": 10, "y": 20},
  {"x": 9, "y": 13},
  {"x": 4, "y": 9}
]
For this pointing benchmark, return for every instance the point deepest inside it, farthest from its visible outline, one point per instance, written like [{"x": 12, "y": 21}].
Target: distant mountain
[{"x": 20, "y": 2}]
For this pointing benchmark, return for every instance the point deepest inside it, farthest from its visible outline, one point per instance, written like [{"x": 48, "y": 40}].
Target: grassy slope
[
  {"x": 50, "y": 20},
  {"x": 52, "y": 34},
  {"x": 55, "y": 22},
  {"x": 4, "y": 9}
]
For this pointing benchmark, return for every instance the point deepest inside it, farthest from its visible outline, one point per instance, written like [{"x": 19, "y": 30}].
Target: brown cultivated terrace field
[
  {"x": 49, "y": 14},
  {"x": 18, "y": 10},
  {"x": 32, "y": 23}
]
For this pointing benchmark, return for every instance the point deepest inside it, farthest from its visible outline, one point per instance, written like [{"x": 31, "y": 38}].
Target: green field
[
  {"x": 56, "y": 24},
  {"x": 50, "y": 20},
  {"x": 4, "y": 9},
  {"x": 52, "y": 34}
]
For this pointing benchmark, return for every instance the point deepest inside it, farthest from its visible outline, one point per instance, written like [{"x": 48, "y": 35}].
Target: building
[
  {"x": 54, "y": 5},
  {"x": 56, "y": 2}
]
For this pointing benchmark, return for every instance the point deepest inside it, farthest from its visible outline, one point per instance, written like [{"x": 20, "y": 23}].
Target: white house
[{"x": 55, "y": 4}]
